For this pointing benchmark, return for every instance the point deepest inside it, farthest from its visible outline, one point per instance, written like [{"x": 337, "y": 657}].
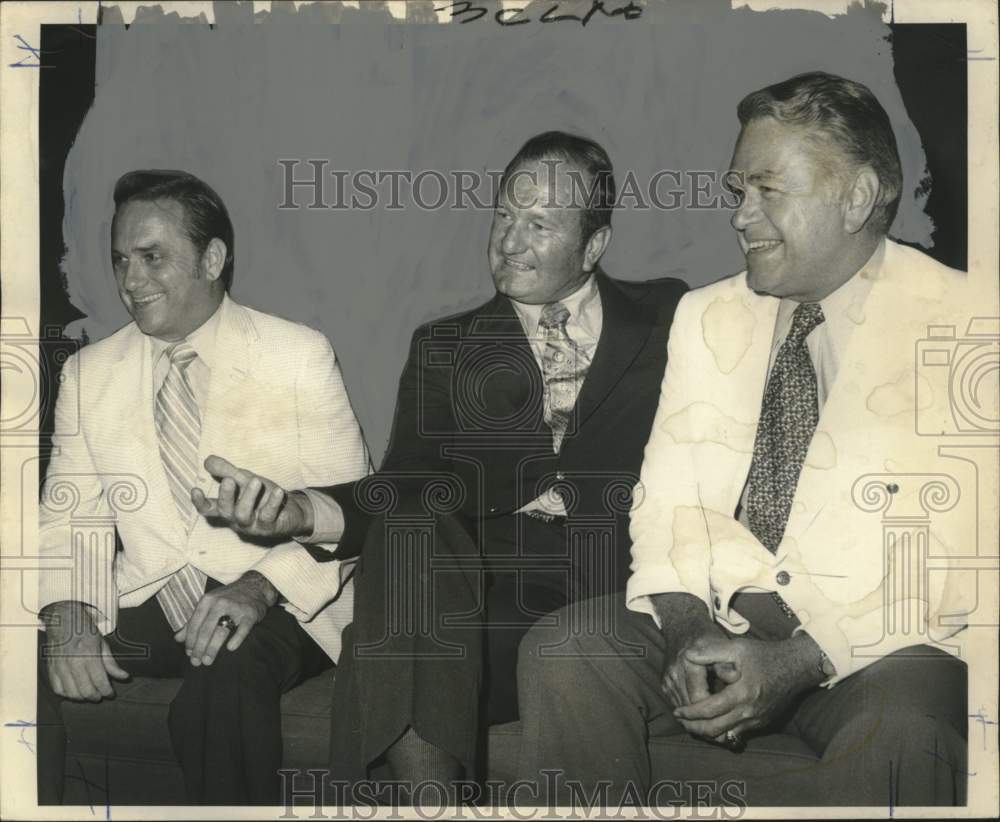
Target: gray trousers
[{"x": 892, "y": 734}]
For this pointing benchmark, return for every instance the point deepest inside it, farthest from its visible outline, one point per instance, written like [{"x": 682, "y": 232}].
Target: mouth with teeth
[
  {"x": 761, "y": 246},
  {"x": 144, "y": 302},
  {"x": 514, "y": 265}
]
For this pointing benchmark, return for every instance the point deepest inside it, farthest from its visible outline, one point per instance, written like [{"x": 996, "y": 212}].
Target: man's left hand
[
  {"x": 760, "y": 678},
  {"x": 245, "y": 602}
]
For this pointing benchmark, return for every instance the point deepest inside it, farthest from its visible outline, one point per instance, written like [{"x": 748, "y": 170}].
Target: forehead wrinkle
[{"x": 150, "y": 224}]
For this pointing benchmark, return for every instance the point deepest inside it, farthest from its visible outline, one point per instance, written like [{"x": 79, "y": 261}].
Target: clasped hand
[{"x": 757, "y": 680}]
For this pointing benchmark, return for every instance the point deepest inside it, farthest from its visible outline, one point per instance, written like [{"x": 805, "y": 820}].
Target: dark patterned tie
[
  {"x": 564, "y": 367},
  {"x": 788, "y": 420},
  {"x": 179, "y": 426}
]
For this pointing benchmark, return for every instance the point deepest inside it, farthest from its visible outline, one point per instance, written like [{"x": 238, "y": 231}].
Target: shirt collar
[
  {"x": 843, "y": 309},
  {"x": 577, "y": 303},
  {"x": 202, "y": 339}
]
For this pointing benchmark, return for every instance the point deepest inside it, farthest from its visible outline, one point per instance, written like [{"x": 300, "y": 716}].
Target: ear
[
  {"x": 214, "y": 259},
  {"x": 860, "y": 200},
  {"x": 596, "y": 246}
]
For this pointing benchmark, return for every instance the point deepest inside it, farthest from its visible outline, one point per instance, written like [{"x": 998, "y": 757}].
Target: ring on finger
[{"x": 226, "y": 621}]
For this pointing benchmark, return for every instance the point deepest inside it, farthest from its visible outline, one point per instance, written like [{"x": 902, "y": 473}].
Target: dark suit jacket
[{"x": 468, "y": 433}]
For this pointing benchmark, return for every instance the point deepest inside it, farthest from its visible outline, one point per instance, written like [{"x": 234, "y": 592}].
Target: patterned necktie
[
  {"x": 564, "y": 366},
  {"x": 179, "y": 426},
  {"x": 788, "y": 420}
]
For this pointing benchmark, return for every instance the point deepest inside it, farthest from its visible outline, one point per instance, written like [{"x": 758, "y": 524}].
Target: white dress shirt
[
  {"x": 586, "y": 318},
  {"x": 199, "y": 372},
  {"x": 583, "y": 326}
]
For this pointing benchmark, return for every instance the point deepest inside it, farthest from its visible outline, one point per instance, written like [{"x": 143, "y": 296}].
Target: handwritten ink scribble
[
  {"x": 23, "y": 724},
  {"x": 468, "y": 11},
  {"x": 981, "y": 717},
  {"x": 33, "y": 54}
]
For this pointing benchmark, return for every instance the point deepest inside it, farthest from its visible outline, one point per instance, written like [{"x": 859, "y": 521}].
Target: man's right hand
[
  {"x": 253, "y": 505},
  {"x": 77, "y": 658},
  {"x": 686, "y": 626}
]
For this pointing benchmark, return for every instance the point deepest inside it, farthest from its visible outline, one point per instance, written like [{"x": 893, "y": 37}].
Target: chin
[
  {"x": 763, "y": 282},
  {"x": 507, "y": 284}
]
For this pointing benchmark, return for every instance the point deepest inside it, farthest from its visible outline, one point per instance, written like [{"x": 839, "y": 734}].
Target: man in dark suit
[{"x": 518, "y": 435}]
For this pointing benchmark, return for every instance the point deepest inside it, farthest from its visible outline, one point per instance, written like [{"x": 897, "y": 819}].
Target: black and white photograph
[{"x": 531, "y": 409}]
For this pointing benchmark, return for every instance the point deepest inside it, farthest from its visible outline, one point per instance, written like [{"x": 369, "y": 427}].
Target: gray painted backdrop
[{"x": 364, "y": 92}]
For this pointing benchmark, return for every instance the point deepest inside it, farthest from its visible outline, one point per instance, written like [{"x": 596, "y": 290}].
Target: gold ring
[{"x": 226, "y": 621}]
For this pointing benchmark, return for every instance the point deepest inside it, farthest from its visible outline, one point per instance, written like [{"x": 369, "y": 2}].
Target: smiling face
[
  {"x": 537, "y": 251},
  {"x": 166, "y": 286},
  {"x": 791, "y": 217}
]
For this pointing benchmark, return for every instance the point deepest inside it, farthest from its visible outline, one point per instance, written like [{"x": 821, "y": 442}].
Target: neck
[
  {"x": 850, "y": 263},
  {"x": 199, "y": 318}
]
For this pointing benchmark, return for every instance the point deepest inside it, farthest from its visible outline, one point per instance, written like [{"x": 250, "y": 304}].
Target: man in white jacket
[
  {"x": 241, "y": 620},
  {"x": 759, "y": 571}
]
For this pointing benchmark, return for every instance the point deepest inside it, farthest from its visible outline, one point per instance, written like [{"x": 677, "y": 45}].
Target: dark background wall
[{"x": 227, "y": 102}]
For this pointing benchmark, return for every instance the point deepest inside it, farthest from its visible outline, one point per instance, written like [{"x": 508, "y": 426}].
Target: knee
[
  {"x": 551, "y": 653},
  {"x": 252, "y": 654},
  {"x": 900, "y": 729}
]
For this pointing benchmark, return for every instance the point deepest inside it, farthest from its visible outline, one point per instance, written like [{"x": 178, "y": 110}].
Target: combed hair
[
  {"x": 585, "y": 155},
  {"x": 847, "y": 114},
  {"x": 205, "y": 215}
]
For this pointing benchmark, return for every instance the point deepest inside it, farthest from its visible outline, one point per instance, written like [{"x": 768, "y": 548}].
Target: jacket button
[
  {"x": 783, "y": 577},
  {"x": 493, "y": 509},
  {"x": 718, "y": 604},
  {"x": 560, "y": 475},
  {"x": 892, "y": 488}
]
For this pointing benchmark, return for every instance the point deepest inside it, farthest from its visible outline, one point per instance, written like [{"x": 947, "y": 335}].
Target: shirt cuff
[
  {"x": 549, "y": 502},
  {"x": 328, "y": 521},
  {"x": 643, "y": 604}
]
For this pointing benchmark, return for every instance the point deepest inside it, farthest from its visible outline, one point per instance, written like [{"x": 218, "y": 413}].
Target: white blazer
[
  {"x": 277, "y": 406},
  {"x": 856, "y": 597}
]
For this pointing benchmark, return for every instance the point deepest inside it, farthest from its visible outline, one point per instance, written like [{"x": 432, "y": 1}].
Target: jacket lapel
[
  {"x": 134, "y": 418},
  {"x": 237, "y": 349},
  {"x": 511, "y": 379},
  {"x": 745, "y": 382},
  {"x": 848, "y": 425},
  {"x": 625, "y": 327}
]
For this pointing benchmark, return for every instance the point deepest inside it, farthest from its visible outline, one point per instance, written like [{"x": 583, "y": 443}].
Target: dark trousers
[
  {"x": 440, "y": 609},
  {"x": 225, "y": 722},
  {"x": 894, "y": 733}
]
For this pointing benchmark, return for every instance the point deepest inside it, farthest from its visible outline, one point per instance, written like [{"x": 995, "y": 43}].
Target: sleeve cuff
[
  {"x": 306, "y": 585},
  {"x": 644, "y": 605},
  {"x": 328, "y": 521}
]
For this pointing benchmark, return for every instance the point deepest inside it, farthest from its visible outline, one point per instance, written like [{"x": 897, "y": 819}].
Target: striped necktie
[
  {"x": 564, "y": 367},
  {"x": 178, "y": 424},
  {"x": 788, "y": 419}
]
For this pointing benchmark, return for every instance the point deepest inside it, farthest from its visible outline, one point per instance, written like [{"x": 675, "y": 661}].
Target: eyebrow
[
  {"x": 753, "y": 178},
  {"x": 142, "y": 249},
  {"x": 535, "y": 211}
]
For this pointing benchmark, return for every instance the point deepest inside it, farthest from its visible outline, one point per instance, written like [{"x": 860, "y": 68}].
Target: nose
[
  {"x": 134, "y": 275},
  {"x": 513, "y": 239},
  {"x": 747, "y": 213}
]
